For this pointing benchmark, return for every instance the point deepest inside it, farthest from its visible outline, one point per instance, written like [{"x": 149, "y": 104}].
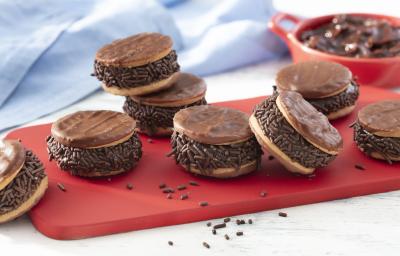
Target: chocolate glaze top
[
  {"x": 383, "y": 116},
  {"x": 312, "y": 124},
  {"x": 185, "y": 87},
  {"x": 139, "y": 49},
  {"x": 86, "y": 129},
  {"x": 12, "y": 157},
  {"x": 314, "y": 79},
  {"x": 213, "y": 125}
]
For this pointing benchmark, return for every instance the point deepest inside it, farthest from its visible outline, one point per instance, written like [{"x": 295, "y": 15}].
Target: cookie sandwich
[
  {"x": 214, "y": 141},
  {"x": 295, "y": 133},
  {"x": 136, "y": 65},
  {"x": 154, "y": 112},
  {"x": 328, "y": 86},
  {"x": 23, "y": 180},
  {"x": 94, "y": 143},
  {"x": 377, "y": 130}
]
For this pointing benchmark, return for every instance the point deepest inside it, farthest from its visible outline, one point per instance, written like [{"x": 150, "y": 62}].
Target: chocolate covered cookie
[
  {"x": 94, "y": 143},
  {"x": 377, "y": 130},
  {"x": 293, "y": 131},
  {"x": 214, "y": 141},
  {"x": 328, "y": 86},
  {"x": 136, "y": 65},
  {"x": 154, "y": 112},
  {"x": 23, "y": 180}
]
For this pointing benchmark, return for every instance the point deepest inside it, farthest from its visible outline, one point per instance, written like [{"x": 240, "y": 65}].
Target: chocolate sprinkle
[
  {"x": 181, "y": 187},
  {"x": 250, "y": 221},
  {"x": 23, "y": 186},
  {"x": 337, "y": 102},
  {"x": 227, "y": 220},
  {"x": 130, "y": 77},
  {"x": 263, "y": 194},
  {"x": 162, "y": 185},
  {"x": 286, "y": 138},
  {"x": 239, "y": 233},
  {"x": 206, "y": 157},
  {"x": 149, "y": 118},
  {"x": 168, "y": 190},
  {"x": 282, "y": 214},
  {"x": 169, "y": 196},
  {"x": 226, "y": 237},
  {"x": 184, "y": 197},
  {"x": 222, "y": 225},
  {"x": 80, "y": 161},
  {"x": 359, "y": 167},
  {"x": 209, "y": 224},
  {"x": 61, "y": 187},
  {"x": 206, "y": 245},
  {"x": 214, "y": 232},
  {"x": 387, "y": 147},
  {"x": 193, "y": 183},
  {"x": 170, "y": 243},
  {"x": 203, "y": 204},
  {"x": 129, "y": 186}
]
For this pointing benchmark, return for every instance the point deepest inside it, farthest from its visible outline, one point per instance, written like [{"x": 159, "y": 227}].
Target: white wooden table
[{"x": 368, "y": 225}]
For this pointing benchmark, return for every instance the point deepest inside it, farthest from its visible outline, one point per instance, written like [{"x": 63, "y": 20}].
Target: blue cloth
[{"x": 47, "y": 47}]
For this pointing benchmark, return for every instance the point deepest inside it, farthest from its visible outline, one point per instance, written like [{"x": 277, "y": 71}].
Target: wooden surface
[{"x": 366, "y": 225}]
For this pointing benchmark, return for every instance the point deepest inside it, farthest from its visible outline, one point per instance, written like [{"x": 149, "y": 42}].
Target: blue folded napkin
[{"x": 48, "y": 47}]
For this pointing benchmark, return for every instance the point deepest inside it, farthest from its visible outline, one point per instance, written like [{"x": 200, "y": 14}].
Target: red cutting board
[{"x": 95, "y": 207}]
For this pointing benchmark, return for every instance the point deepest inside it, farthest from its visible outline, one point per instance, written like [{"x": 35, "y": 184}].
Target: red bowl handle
[{"x": 275, "y": 26}]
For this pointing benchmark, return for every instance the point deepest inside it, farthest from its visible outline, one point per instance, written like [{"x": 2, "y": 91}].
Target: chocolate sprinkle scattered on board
[
  {"x": 170, "y": 243},
  {"x": 206, "y": 157},
  {"x": 181, "y": 187},
  {"x": 126, "y": 77},
  {"x": 250, "y": 221},
  {"x": 282, "y": 214},
  {"x": 359, "y": 167},
  {"x": 129, "y": 186},
  {"x": 337, "y": 102},
  {"x": 61, "y": 187},
  {"x": 226, "y": 237},
  {"x": 271, "y": 157},
  {"x": 193, "y": 183},
  {"x": 149, "y": 118},
  {"x": 206, "y": 245},
  {"x": 184, "y": 196},
  {"x": 203, "y": 204},
  {"x": 168, "y": 190},
  {"x": 286, "y": 138},
  {"x": 22, "y": 187},
  {"x": 162, "y": 185},
  {"x": 263, "y": 194},
  {"x": 209, "y": 224},
  {"x": 80, "y": 161},
  {"x": 214, "y": 232},
  {"x": 239, "y": 233},
  {"x": 387, "y": 147}
]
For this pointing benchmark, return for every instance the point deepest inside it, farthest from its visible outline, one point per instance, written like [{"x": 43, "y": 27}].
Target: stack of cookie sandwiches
[
  {"x": 23, "y": 180},
  {"x": 377, "y": 130},
  {"x": 214, "y": 141},
  {"x": 295, "y": 133},
  {"x": 328, "y": 86},
  {"x": 144, "y": 68},
  {"x": 94, "y": 143}
]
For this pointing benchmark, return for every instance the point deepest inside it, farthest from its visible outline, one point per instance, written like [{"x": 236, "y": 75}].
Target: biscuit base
[
  {"x": 28, "y": 204},
  {"x": 159, "y": 132},
  {"x": 267, "y": 144},
  {"x": 225, "y": 173},
  {"x": 92, "y": 174},
  {"x": 379, "y": 156},
  {"x": 341, "y": 112},
  {"x": 141, "y": 90}
]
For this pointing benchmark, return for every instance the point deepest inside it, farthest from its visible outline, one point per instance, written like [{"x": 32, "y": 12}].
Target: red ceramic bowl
[{"x": 380, "y": 72}]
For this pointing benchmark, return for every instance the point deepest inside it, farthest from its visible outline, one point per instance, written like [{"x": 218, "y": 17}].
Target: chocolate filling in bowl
[
  {"x": 387, "y": 147},
  {"x": 286, "y": 138},
  {"x": 80, "y": 161},
  {"x": 129, "y": 77},
  {"x": 23, "y": 185},
  {"x": 149, "y": 118},
  {"x": 337, "y": 102},
  {"x": 355, "y": 36},
  {"x": 207, "y": 157}
]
